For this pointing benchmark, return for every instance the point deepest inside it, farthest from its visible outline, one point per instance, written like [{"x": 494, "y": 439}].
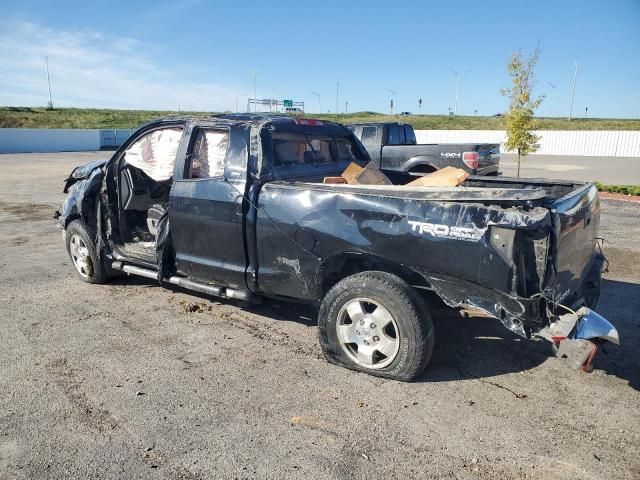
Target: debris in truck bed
[
  {"x": 369, "y": 175},
  {"x": 446, "y": 177},
  {"x": 351, "y": 172},
  {"x": 334, "y": 180}
]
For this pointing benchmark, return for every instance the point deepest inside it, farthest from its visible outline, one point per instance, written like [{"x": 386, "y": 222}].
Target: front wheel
[
  {"x": 82, "y": 251},
  {"x": 376, "y": 323}
]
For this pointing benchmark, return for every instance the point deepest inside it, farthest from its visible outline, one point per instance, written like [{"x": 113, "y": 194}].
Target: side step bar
[{"x": 189, "y": 284}]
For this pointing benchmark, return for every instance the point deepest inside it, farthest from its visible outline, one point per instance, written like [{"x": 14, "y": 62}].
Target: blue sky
[{"x": 200, "y": 55}]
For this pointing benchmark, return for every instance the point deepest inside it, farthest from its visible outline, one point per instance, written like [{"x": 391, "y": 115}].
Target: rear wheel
[
  {"x": 375, "y": 322},
  {"x": 82, "y": 251}
]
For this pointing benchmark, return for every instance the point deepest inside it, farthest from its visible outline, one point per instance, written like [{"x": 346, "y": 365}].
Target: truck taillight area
[
  {"x": 471, "y": 159},
  {"x": 309, "y": 121}
]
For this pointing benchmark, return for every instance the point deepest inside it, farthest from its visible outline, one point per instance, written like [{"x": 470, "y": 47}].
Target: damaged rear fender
[
  {"x": 521, "y": 315},
  {"x": 518, "y": 314},
  {"x": 339, "y": 266}
]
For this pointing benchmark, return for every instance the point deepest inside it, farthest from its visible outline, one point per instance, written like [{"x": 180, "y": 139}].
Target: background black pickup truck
[
  {"x": 393, "y": 146},
  {"x": 236, "y": 206}
]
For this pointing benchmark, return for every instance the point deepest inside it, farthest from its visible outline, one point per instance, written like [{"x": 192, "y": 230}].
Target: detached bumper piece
[{"x": 578, "y": 336}]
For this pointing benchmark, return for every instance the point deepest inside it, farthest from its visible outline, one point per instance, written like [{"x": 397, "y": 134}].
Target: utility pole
[
  {"x": 337, "y": 96},
  {"x": 420, "y": 106},
  {"x": 393, "y": 102},
  {"x": 461, "y": 85},
  {"x": 255, "y": 104},
  {"x": 573, "y": 90},
  {"x": 46, "y": 63},
  {"x": 457, "y": 74},
  {"x": 346, "y": 107},
  {"x": 553, "y": 101},
  {"x": 317, "y": 95},
  {"x": 239, "y": 95}
]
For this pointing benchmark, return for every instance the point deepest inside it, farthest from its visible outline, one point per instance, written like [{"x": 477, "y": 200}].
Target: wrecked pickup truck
[{"x": 235, "y": 206}]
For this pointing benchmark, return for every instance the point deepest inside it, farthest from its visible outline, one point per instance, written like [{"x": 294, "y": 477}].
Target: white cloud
[{"x": 89, "y": 69}]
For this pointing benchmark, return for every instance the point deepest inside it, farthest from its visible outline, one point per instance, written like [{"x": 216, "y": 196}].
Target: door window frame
[{"x": 185, "y": 169}]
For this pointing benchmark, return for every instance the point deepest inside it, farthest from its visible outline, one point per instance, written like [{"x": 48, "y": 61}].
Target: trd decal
[{"x": 439, "y": 230}]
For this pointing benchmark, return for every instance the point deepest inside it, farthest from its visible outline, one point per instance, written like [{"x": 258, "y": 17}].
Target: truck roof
[
  {"x": 255, "y": 118},
  {"x": 364, "y": 124}
]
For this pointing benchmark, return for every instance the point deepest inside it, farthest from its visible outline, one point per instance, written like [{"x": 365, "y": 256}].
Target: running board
[{"x": 189, "y": 284}]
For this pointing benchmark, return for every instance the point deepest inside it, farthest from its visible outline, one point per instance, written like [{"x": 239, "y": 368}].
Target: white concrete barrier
[
  {"x": 596, "y": 143},
  {"x": 20, "y": 140},
  {"x": 601, "y": 143}
]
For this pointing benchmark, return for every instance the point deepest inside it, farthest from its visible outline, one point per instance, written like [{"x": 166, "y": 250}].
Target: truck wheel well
[
  {"x": 422, "y": 168},
  {"x": 341, "y": 267},
  {"x": 71, "y": 218}
]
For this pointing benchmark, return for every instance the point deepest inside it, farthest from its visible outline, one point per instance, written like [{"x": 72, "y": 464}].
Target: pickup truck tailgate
[
  {"x": 576, "y": 217},
  {"x": 489, "y": 156}
]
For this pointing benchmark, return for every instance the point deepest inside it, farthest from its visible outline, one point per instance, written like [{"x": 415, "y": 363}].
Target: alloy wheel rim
[
  {"x": 368, "y": 333},
  {"x": 80, "y": 256}
]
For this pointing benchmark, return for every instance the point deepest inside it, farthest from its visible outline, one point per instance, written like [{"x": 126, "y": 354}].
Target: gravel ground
[{"x": 130, "y": 380}]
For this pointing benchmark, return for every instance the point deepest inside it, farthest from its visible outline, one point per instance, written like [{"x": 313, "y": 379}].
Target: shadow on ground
[
  {"x": 620, "y": 304},
  {"x": 471, "y": 346},
  {"x": 477, "y": 347}
]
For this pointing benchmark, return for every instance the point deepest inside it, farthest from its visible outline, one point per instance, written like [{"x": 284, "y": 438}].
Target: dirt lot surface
[
  {"x": 130, "y": 380},
  {"x": 607, "y": 170}
]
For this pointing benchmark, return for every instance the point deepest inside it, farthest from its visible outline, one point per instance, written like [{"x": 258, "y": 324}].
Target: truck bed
[
  {"x": 474, "y": 189},
  {"x": 498, "y": 244}
]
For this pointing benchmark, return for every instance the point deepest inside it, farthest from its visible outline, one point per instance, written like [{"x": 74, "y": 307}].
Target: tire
[
  {"x": 82, "y": 252},
  {"x": 347, "y": 336}
]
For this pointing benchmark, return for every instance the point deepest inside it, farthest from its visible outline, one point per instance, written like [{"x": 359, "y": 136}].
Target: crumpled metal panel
[
  {"x": 82, "y": 188},
  {"x": 592, "y": 325},
  {"x": 426, "y": 236},
  {"x": 510, "y": 310},
  {"x": 82, "y": 172}
]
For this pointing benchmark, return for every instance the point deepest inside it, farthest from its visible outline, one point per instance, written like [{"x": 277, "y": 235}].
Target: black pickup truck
[
  {"x": 235, "y": 206},
  {"x": 393, "y": 146}
]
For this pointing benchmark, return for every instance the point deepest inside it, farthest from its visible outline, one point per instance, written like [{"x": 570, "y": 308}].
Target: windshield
[{"x": 300, "y": 149}]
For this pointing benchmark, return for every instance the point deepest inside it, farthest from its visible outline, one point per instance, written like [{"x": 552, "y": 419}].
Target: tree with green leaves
[{"x": 520, "y": 116}]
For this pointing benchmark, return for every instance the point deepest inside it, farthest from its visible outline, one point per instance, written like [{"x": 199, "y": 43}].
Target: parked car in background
[{"x": 393, "y": 146}]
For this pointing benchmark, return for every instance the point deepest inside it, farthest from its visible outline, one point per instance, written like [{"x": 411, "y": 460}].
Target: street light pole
[
  {"x": 255, "y": 104},
  {"x": 50, "y": 104},
  {"x": 553, "y": 100},
  {"x": 457, "y": 74},
  {"x": 240, "y": 95},
  {"x": 461, "y": 84},
  {"x": 573, "y": 90},
  {"x": 319, "y": 97},
  {"x": 393, "y": 101}
]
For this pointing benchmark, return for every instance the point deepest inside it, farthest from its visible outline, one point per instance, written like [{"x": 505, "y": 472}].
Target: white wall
[
  {"x": 600, "y": 143},
  {"x": 16, "y": 140},
  {"x": 587, "y": 143}
]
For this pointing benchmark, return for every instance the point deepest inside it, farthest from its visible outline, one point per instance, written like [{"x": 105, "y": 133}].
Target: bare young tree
[{"x": 520, "y": 116}]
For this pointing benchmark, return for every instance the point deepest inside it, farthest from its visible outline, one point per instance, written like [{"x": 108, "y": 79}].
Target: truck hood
[{"x": 82, "y": 172}]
